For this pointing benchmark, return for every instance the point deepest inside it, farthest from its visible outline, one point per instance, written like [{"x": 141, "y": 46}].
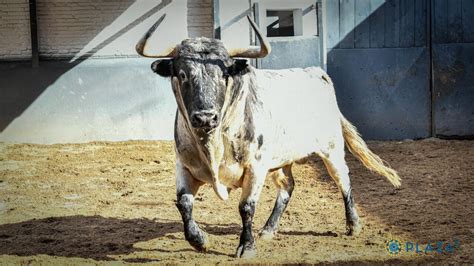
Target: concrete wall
[
  {"x": 308, "y": 20},
  {"x": 234, "y": 24},
  {"x": 97, "y": 94},
  {"x": 98, "y": 99},
  {"x": 94, "y": 94},
  {"x": 14, "y": 30}
]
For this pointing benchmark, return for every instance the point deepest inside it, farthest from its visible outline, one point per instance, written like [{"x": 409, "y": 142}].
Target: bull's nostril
[
  {"x": 205, "y": 119},
  {"x": 213, "y": 122}
]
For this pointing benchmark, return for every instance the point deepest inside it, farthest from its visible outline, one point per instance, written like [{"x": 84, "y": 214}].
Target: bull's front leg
[
  {"x": 251, "y": 188},
  {"x": 186, "y": 188}
]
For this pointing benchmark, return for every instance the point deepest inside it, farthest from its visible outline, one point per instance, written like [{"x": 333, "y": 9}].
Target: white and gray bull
[{"x": 236, "y": 125}]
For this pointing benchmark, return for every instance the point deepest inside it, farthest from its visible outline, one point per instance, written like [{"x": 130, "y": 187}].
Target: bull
[{"x": 235, "y": 125}]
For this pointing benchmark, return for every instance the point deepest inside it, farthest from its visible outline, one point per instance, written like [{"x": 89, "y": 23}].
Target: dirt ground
[{"x": 107, "y": 202}]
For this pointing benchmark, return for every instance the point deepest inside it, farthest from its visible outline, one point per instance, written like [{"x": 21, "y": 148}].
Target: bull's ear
[
  {"x": 239, "y": 67},
  {"x": 162, "y": 67}
]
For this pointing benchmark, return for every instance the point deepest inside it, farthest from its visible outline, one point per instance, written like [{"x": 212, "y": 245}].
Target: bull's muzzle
[{"x": 206, "y": 119}]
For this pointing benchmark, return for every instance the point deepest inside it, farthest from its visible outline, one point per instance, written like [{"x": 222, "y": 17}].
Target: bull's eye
[{"x": 182, "y": 75}]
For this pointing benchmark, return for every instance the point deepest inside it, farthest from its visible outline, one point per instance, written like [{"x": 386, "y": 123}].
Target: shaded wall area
[
  {"x": 403, "y": 68},
  {"x": 378, "y": 58},
  {"x": 453, "y": 68}
]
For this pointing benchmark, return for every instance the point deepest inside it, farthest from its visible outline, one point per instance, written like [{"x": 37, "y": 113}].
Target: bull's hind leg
[
  {"x": 337, "y": 168},
  {"x": 186, "y": 188},
  {"x": 283, "y": 179}
]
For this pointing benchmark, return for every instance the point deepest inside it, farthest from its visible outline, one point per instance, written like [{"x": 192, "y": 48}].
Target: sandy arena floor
[{"x": 114, "y": 202}]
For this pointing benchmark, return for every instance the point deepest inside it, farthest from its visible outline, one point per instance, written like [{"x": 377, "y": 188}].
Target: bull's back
[{"x": 299, "y": 110}]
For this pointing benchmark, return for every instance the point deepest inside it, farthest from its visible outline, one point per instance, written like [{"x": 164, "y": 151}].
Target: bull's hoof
[
  {"x": 200, "y": 246},
  {"x": 199, "y": 240},
  {"x": 353, "y": 229},
  {"x": 267, "y": 234},
  {"x": 246, "y": 251}
]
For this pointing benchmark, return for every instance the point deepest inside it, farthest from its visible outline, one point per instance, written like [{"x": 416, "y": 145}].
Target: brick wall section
[
  {"x": 66, "y": 26},
  {"x": 14, "y": 30},
  {"x": 200, "y": 21}
]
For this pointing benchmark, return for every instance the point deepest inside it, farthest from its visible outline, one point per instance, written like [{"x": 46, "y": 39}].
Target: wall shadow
[{"x": 94, "y": 237}]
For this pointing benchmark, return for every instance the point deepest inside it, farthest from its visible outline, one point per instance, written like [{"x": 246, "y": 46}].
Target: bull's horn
[
  {"x": 141, "y": 45},
  {"x": 254, "y": 51}
]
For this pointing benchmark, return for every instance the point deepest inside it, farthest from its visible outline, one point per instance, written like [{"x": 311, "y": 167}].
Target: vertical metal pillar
[
  {"x": 256, "y": 14},
  {"x": 217, "y": 20},
  {"x": 321, "y": 33},
  {"x": 34, "y": 34}
]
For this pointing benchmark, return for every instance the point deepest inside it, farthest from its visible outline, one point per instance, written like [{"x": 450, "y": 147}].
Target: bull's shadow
[{"x": 90, "y": 237}]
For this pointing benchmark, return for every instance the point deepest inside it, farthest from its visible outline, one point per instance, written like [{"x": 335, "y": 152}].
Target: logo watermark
[{"x": 395, "y": 247}]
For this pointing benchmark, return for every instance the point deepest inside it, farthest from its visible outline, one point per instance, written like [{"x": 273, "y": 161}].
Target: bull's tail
[{"x": 359, "y": 149}]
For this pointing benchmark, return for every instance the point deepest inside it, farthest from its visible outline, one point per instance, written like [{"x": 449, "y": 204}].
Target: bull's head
[{"x": 201, "y": 70}]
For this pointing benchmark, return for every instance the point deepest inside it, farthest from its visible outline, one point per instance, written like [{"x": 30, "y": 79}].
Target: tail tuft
[{"x": 359, "y": 149}]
